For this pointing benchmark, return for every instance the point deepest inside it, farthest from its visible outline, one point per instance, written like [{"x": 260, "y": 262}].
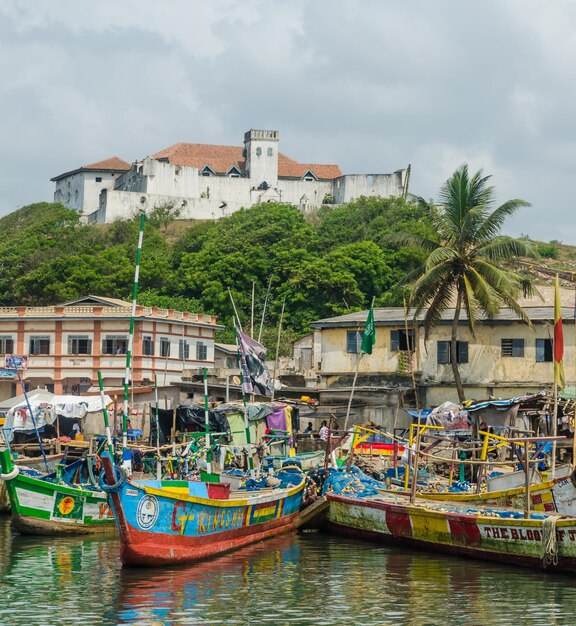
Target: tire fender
[
  {"x": 117, "y": 485},
  {"x": 11, "y": 474}
]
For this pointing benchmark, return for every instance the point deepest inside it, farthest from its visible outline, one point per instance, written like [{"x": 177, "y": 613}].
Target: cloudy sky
[{"x": 371, "y": 85}]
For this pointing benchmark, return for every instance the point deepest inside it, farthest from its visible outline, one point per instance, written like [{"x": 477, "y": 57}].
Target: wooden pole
[
  {"x": 554, "y": 431},
  {"x": 411, "y": 350},
  {"x": 264, "y": 308},
  {"x": 245, "y": 403},
  {"x": 527, "y": 482},
  {"x": 277, "y": 350},
  {"x": 252, "y": 310},
  {"x": 105, "y": 415},
  {"x": 33, "y": 418},
  {"x": 352, "y": 390},
  {"x": 416, "y": 459},
  {"x": 174, "y": 430}
]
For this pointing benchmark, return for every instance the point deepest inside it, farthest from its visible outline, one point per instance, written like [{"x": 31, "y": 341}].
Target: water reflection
[{"x": 307, "y": 579}]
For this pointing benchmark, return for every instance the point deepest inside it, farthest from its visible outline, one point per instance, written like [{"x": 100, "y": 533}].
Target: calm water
[{"x": 306, "y": 579}]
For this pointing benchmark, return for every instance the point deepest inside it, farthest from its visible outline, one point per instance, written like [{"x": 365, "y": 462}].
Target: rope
[{"x": 549, "y": 541}]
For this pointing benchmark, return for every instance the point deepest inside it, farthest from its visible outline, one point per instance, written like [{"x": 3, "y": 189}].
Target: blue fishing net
[{"x": 351, "y": 483}]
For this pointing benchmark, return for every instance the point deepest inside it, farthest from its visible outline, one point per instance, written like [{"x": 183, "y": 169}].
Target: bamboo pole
[{"x": 126, "y": 456}]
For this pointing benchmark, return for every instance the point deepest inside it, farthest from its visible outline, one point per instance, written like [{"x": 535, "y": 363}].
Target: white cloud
[{"x": 371, "y": 86}]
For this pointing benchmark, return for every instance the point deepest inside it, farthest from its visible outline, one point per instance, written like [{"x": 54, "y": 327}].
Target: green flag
[{"x": 369, "y": 338}]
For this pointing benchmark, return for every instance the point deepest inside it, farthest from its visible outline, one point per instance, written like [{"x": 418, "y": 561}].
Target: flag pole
[
  {"x": 574, "y": 406},
  {"x": 352, "y": 390},
  {"x": 554, "y": 432},
  {"x": 158, "y": 461},
  {"x": 126, "y": 460},
  {"x": 368, "y": 341},
  {"x": 207, "y": 422},
  {"x": 559, "y": 380}
]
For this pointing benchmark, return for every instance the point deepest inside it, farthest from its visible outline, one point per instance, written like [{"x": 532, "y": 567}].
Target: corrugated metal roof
[{"x": 394, "y": 316}]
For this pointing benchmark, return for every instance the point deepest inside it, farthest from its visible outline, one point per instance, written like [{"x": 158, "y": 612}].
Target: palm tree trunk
[{"x": 453, "y": 350}]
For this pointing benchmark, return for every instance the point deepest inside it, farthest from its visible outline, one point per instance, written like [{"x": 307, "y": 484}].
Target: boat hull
[
  {"x": 43, "y": 508},
  {"x": 165, "y": 526},
  {"x": 453, "y": 530},
  {"x": 35, "y": 463}
]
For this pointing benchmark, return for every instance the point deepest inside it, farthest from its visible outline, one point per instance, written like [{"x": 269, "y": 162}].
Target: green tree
[{"x": 467, "y": 262}]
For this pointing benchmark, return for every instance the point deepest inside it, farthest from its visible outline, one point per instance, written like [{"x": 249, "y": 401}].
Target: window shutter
[
  {"x": 352, "y": 341},
  {"x": 462, "y": 348},
  {"x": 394, "y": 341},
  {"x": 443, "y": 350}
]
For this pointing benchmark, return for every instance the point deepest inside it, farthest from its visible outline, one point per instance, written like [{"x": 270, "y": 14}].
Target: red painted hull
[
  {"x": 487, "y": 537},
  {"x": 140, "y": 549}
]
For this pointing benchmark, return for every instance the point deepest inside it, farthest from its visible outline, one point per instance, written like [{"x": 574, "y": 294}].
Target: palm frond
[
  {"x": 438, "y": 305},
  {"x": 484, "y": 294},
  {"x": 506, "y": 248},
  {"x": 426, "y": 286},
  {"x": 468, "y": 297},
  {"x": 409, "y": 240},
  {"x": 496, "y": 219},
  {"x": 511, "y": 303},
  {"x": 441, "y": 255}
]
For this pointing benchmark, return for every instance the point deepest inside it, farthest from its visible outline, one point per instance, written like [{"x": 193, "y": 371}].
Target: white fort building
[{"x": 204, "y": 181}]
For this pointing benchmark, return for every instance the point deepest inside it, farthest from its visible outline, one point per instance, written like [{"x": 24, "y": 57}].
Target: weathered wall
[{"x": 352, "y": 186}]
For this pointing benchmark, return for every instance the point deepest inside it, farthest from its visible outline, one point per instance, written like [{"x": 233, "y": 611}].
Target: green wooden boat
[{"x": 49, "y": 504}]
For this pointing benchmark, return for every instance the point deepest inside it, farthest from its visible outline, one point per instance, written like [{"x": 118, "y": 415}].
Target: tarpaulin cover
[
  {"x": 191, "y": 417},
  {"x": 256, "y": 410},
  {"x": 277, "y": 419}
]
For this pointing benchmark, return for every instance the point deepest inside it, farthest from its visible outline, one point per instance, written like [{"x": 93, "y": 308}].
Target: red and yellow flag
[{"x": 559, "y": 379}]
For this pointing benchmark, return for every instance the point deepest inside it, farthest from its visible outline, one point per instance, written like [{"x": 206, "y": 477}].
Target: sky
[{"x": 372, "y": 85}]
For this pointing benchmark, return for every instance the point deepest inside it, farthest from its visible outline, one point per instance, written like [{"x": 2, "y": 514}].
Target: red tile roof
[
  {"x": 112, "y": 163},
  {"x": 222, "y": 158}
]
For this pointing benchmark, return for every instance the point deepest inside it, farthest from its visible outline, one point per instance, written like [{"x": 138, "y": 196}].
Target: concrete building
[
  {"x": 80, "y": 189},
  {"x": 203, "y": 181},
  {"x": 67, "y": 344},
  {"x": 505, "y": 358}
]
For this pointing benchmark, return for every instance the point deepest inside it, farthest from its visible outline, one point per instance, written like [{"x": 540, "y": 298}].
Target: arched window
[
  {"x": 270, "y": 152},
  {"x": 258, "y": 151}
]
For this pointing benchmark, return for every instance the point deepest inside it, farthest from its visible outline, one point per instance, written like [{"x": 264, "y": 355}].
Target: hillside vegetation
[{"x": 331, "y": 262}]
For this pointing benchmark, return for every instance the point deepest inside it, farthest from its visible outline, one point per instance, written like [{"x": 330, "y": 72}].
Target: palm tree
[{"x": 466, "y": 262}]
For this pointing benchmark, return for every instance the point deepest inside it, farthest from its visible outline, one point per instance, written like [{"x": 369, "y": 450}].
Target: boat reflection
[{"x": 226, "y": 586}]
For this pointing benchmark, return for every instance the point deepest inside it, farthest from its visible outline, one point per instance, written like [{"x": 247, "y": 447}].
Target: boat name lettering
[
  {"x": 525, "y": 534},
  {"x": 209, "y": 522},
  {"x": 175, "y": 526},
  {"x": 132, "y": 492}
]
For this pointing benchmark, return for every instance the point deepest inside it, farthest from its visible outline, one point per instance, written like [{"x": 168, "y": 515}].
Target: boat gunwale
[
  {"x": 269, "y": 496},
  {"x": 419, "y": 508}
]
